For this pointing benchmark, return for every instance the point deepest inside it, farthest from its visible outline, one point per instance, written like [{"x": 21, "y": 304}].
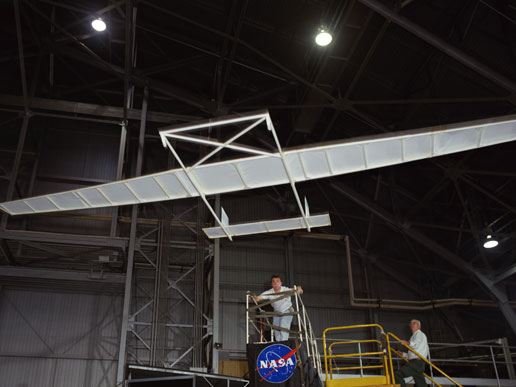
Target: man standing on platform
[
  {"x": 281, "y": 306},
  {"x": 415, "y": 366}
]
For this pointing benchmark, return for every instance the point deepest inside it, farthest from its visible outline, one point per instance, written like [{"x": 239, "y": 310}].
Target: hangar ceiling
[{"x": 392, "y": 65}]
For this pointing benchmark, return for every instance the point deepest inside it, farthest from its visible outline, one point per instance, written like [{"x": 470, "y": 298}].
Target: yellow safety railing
[
  {"x": 354, "y": 342},
  {"x": 384, "y": 353},
  {"x": 389, "y": 334}
]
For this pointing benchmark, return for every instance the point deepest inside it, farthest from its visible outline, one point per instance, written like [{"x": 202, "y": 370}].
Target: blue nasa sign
[{"x": 276, "y": 363}]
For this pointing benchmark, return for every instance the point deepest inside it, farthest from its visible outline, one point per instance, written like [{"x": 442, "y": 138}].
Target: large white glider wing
[{"x": 306, "y": 163}]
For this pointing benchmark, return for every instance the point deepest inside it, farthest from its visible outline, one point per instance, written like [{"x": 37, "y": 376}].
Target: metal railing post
[
  {"x": 431, "y": 369},
  {"x": 494, "y": 365},
  {"x": 247, "y": 318},
  {"x": 360, "y": 357},
  {"x": 298, "y": 318}
]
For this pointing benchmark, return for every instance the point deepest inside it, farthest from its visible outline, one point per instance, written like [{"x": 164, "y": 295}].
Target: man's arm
[
  {"x": 256, "y": 298},
  {"x": 299, "y": 290},
  {"x": 414, "y": 342}
]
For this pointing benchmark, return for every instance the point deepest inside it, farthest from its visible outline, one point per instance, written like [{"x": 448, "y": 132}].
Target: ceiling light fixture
[
  {"x": 490, "y": 242},
  {"x": 98, "y": 24},
  {"x": 323, "y": 38}
]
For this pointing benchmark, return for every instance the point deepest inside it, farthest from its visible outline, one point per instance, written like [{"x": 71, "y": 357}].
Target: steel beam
[
  {"x": 508, "y": 357},
  {"x": 4, "y": 248},
  {"x": 289, "y": 260},
  {"x": 371, "y": 216},
  {"x": 16, "y": 166},
  {"x": 160, "y": 305},
  {"x": 231, "y": 57},
  {"x": 26, "y": 117},
  {"x": 199, "y": 283},
  {"x": 429, "y": 243},
  {"x": 488, "y": 194},
  {"x": 128, "y": 103},
  {"x": 442, "y": 45},
  {"x": 119, "y": 170},
  {"x": 157, "y": 86},
  {"x": 91, "y": 109},
  {"x": 20, "y": 54},
  {"x": 375, "y": 260},
  {"x": 91, "y": 58},
  {"x": 61, "y": 275},
  {"x": 471, "y": 223},
  {"x": 122, "y": 355},
  {"x": 69, "y": 239},
  {"x": 506, "y": 274},
  {"x": 242, "y": 43},
  {"x": 216, "y": 297}
]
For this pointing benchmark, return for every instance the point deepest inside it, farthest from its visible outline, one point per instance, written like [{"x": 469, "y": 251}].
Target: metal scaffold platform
[{"x": 300, "y": 362}]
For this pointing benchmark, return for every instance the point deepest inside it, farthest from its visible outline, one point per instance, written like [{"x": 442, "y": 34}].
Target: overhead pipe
[
  {"x": 504, "y": 304},
  {"x": 408, "y": 304}
]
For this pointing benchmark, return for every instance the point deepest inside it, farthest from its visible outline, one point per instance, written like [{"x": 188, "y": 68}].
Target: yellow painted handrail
[
  {"x": 406, "y": 361},
  {"x": 357, "y": 367},
  {"x": 354, "y": 354},
  {"x": 425, "y": 360},
  {"x": 353, "y": 342},
  {"x": 386, "y": 354}
]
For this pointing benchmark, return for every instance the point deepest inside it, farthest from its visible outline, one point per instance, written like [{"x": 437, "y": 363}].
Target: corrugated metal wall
[
  {"x": 58, "y": 339},
  {"x": 320, "y": 268},
  {"x": 72, "y": 157}
]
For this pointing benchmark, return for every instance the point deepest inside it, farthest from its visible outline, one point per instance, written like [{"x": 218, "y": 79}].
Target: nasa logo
[{"x": 276, "y": 363}]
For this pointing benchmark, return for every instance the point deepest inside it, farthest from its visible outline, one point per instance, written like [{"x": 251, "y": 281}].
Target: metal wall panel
[
  {"x": 249, "y": 266},
  {"x": 233, "y": 327},
  {"x": 320, "y": 267},
  {"x": 81, "y": 154},
  {"x": 58, "y": 339},
  {"x": 245, "y": 210}
]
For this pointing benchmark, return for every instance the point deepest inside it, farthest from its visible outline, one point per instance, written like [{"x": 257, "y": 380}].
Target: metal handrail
[
  {"x": 304, "y": 333},
  {"x": 385, "y": 353},
  {"x": 426, "y": 375},
  {"x": 343, "y": 355},
  {"x": 357, "y": 367},
  {"x": 389, "y": 334},
  {"x": 311, "y": 341},
  {"x": 353, "y": 342}
]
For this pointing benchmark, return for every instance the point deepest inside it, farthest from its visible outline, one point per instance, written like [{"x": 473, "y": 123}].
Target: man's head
[
  {"x": 276, "y": 282},
  {"x": 415, "y": 325}
]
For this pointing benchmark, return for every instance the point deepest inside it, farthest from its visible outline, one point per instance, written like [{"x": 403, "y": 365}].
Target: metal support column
[
  {"x": 26, "y": 117},
  {"x": 127, "y": 298},
  {"x": 16, "y": 166},
  {"x": 197, "y": 353},
  {"x": 128, "y": 100},
  {"x": 160, "y": 304},
  {"x": 216, "y": 296},
  {"x": 508, "y": 358},
  {"x": 119, "y": 170},
  {"x": 289, "y": 261},
  {"x": 130, "y": 253}
]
